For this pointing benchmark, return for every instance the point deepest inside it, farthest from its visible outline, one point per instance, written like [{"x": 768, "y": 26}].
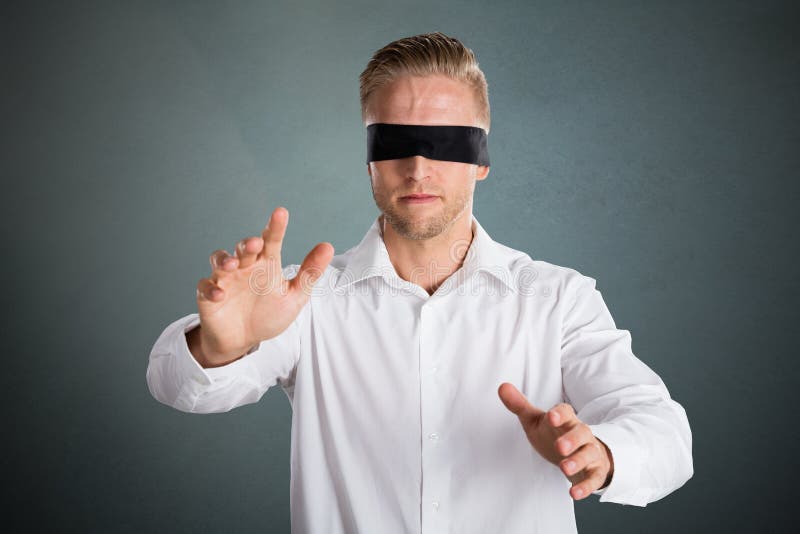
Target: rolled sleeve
[{"x": 624, "y": 403}]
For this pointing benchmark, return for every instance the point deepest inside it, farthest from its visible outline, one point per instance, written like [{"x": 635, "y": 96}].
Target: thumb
[
  {"x": 516, "y": 402},
  {"x": 312, "y": 268}
]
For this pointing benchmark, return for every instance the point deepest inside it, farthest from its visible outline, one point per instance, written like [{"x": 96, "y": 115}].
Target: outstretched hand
[
  {"x": 247, "y": 299},
  {"x": 564, "y": 440}
]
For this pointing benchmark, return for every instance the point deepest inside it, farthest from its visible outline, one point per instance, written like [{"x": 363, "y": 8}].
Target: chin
[{"x": 417, "y": 228}]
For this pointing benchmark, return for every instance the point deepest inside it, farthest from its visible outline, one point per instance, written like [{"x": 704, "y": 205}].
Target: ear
[
  {"x": 369, "y": 170},
  {"x": 483, "y": 171}
]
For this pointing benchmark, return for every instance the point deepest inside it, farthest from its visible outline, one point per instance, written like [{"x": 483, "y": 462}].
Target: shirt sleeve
[
  {"x": 624, "y": 402},
  {"x": 176, "y": 378}
]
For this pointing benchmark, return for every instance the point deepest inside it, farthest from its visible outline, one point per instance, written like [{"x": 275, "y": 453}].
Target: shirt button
[
  {"x": 433, "y": 436},
  {"x": 435, "y": 505},
  {"x": 434, "y": 369}
]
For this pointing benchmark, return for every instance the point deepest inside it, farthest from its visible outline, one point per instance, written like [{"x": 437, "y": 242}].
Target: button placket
[{"x": 431, "y": 407}]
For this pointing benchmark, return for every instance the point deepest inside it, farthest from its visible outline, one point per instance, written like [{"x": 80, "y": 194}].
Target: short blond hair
[{"x": 425, "y": 55}]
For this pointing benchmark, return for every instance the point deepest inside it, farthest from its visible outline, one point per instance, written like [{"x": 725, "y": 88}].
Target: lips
[{"x": 418, "y": 196}]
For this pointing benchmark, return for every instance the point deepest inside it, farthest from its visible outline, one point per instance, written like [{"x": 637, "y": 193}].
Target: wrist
[
  {"x": 610, "y": 458},
  {"x": 206, "y": 358}
]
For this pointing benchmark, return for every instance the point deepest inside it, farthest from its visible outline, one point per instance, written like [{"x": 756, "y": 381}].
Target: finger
[
  {"x": 208, "y": 290},
  {"x": 592, "y": 482},
  {"x": 273, "y": 235},
  {"x": 222, "y": 263},
  {"x": 247, "y": 250},
  {"x": 586, "y": 456},
  {"x": 573, "y": 440},
  {"x": 516, "y": 402},
  {"x": 560, "y": 414},
  {"x": 314, "y": 264}
]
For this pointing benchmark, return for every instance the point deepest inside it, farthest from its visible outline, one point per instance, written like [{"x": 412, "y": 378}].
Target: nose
[{"x": 418, "y": 168}]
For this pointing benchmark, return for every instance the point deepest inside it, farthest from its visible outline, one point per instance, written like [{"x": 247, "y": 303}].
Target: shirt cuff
[
  {"x": 186, "y": 361},
  {"x": 200, "y": 377},
  {"x": 624, "y": 486}
]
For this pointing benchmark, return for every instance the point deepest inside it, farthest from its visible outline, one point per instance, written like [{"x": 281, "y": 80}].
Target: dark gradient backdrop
[{"x": 651, "y": 145}]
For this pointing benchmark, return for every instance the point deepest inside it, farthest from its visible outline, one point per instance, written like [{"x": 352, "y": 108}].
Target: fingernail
[
  {"x": 570, "y": 466},
  {"x": 579, "y": 492}
]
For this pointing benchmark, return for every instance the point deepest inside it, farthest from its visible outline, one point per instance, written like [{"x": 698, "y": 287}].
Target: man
[{"x": 402, "y": 357}]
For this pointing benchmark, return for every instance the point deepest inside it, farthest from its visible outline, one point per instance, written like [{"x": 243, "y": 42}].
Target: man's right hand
[{"x": 246, "y": 299}]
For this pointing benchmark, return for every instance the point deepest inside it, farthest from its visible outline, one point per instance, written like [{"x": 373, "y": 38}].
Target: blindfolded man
[{"x": 439, "y": 380}]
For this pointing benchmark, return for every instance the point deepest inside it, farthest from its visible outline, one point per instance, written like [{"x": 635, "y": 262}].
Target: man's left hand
[{"x": 564, "y": 440}]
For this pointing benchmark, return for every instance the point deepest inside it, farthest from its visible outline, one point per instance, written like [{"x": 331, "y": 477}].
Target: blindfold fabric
[{"x": 465, "y": 144}]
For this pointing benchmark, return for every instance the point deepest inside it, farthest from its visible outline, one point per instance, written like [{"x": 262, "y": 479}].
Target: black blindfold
[{"x": 465, "y": 144}]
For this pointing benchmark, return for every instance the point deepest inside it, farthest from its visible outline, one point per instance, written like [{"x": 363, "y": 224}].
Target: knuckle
[
  {"x": 578, "y": 456},
  {"x": 578, "y": 464}
]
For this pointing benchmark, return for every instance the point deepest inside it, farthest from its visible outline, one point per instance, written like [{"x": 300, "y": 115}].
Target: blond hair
[{"x": 424, "y": 55}]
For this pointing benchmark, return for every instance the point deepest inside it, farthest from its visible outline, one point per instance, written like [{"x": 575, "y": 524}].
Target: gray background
[{"x": 652, "y": 146}]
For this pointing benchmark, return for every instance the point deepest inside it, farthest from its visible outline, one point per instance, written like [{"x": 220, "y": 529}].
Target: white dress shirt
[{"x": 397, "y": 426}]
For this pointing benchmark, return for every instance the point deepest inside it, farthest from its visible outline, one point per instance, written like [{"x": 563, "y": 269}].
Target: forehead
[{"x": 427, "y": 100}]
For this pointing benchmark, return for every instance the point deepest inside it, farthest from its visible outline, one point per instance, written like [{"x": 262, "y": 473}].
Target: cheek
[
  {"x": 378, "y": 169},
  {"x": 459, "y": 176},
  {"x": 459, "y": 173},
  {"x": 385, "y": 175}
]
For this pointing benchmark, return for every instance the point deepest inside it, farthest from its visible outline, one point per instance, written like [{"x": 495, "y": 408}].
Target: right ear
[{"x": 369, "y": 171}]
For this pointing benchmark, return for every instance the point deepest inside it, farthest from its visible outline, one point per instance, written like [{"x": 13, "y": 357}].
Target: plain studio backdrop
[{"x": 650, "y": 145}]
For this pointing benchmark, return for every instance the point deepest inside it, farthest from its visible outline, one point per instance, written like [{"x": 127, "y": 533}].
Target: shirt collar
[{"x": 370, "y": 258}]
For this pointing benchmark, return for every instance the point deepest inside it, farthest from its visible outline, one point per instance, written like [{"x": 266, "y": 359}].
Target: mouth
[{"x": 418, "y": 198}]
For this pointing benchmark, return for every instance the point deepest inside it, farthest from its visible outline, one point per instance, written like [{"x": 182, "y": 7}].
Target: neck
[{"x": 429, "y": 262}]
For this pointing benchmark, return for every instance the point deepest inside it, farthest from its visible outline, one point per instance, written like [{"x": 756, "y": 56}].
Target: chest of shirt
[{"x": 377, "y": 350}]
